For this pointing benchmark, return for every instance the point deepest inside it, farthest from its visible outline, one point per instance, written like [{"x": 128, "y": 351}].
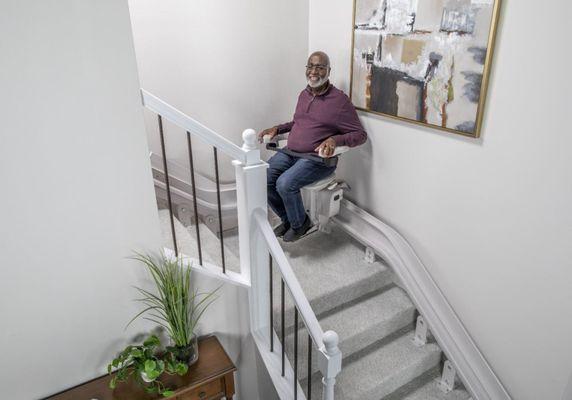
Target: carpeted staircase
[
  {"x": 373, "y": 317},
  {"x": 210, "y": 244}
]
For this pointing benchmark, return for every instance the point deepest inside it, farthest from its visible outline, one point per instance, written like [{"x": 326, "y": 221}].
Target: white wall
[
  {"x": 231, "y": 65},
  {"x": 77, "y": 194},
  {"x": 228, "y": 318},
  {"x": 490, "y": 218}
]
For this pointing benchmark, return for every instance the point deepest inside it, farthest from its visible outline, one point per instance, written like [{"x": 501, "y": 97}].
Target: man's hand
[
  {"x": 326, "y": 149},
  {"x": 270, "y": 132}
]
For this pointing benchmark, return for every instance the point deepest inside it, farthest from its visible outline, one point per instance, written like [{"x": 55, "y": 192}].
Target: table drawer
[{"x": 210, "y": 391}]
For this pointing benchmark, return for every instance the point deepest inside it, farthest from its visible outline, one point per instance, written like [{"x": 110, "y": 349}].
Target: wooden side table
[{"x": 210, "y": 378}]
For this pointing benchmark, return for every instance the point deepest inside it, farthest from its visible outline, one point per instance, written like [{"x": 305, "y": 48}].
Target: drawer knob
[{"x": 202, "y": 395}]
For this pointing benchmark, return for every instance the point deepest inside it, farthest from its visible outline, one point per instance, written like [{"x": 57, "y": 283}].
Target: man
[{"x": 324, "y": 118}]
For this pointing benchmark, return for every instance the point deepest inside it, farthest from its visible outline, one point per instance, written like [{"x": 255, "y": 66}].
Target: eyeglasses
[{"x": 319, "y": 67}]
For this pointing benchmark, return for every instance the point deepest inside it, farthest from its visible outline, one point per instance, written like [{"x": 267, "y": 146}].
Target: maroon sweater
[{"x": 317, "y": 118}]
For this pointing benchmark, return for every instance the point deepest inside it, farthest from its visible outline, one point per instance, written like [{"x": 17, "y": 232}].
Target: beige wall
[
  {"x": 490, "y": 218},
  {"x": 77, "y": 193}
]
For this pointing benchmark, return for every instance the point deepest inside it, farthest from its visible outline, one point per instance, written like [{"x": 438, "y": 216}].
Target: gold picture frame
[{"x": 418, "y": 88}]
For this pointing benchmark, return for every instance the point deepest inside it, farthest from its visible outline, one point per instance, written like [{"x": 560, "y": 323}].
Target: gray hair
[{"x": 323, "y": 55}]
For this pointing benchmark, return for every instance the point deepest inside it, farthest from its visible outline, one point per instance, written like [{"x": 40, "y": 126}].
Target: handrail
[
  {"x": 244, "y": 155},
  {"x": 290, "y": 279},
  {"x": 330, "y": 356}
]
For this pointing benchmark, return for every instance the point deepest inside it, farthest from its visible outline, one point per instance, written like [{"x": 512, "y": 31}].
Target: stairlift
[{"x": 322, "y": 198}]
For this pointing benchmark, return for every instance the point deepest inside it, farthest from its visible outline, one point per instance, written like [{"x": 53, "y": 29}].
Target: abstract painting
[{"x": 425, "y": 61}]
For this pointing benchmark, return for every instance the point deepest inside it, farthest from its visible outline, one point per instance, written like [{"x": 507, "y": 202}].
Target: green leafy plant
[
  {"x": 175, "y": 306},
  {"x": 143, "y": 363}
]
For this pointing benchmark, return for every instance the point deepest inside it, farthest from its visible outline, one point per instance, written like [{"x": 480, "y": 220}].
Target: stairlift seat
[{"x": 321, "y": 184}]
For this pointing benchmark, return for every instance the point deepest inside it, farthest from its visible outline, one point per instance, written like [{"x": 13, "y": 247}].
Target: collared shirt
[{"x": 330, "y": 114}]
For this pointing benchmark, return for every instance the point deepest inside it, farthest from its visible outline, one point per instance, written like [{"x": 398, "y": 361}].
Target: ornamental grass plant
[{"x": 175, "y": 306}]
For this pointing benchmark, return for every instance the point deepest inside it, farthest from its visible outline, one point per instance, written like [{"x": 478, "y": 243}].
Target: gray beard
[{"x": 319, "y": 83}]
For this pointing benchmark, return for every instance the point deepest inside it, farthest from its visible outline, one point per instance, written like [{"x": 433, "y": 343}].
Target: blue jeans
[{"x": 286, "y": 176}]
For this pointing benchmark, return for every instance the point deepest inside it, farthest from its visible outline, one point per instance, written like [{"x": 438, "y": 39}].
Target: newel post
[
  {"x": 331, "y": 364},
  {"x": 251, "y": 196}
]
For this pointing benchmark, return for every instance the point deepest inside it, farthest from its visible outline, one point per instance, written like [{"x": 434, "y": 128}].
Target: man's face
[{"x": 317, "y": 71}]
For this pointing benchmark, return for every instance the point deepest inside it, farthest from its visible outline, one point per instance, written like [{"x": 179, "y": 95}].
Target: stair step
[
  {"x": 355, "y": 299},
  {"x": 430, "y": 391},
  {"x": 358, "y": 325},
  {"x": 187, "y": 242},
  {"x": 382, "y": 371},
  {"x": 331, "y": 271}
]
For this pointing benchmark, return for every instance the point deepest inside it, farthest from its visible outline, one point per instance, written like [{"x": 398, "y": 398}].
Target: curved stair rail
[
  {"x": 256, "y": 243},
  {"x": 444, "y": 323}
]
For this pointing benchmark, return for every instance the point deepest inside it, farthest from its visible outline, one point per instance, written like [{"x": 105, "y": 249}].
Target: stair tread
[
  {"x": 384, "y": 370},
  {"x": 430, "y": 391},
  {"x": 331, "y": 270},
  {"x": 372, "y": 313},
  {"x": 187, "y": 242},
  {"x": 362, "y": 324},
  {"x": 328, "y": 259}
]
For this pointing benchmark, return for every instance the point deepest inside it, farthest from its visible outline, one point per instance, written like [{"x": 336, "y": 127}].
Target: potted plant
[
  {"x": 143, "y": 363},
  {"x": 175, "y": 306}
]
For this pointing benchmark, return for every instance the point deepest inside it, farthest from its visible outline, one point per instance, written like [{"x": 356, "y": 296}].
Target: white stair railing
[
  {"x": 257, "y": 241},
  {"x": 330, "y": 356},
  {"x": 256, "y": 244}
]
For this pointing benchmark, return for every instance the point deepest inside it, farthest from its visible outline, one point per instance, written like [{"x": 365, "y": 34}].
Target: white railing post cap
[
  {"x": 249, "y": 138},
  {"x": 331, "y": 362},
  {"x": 331, "y": 341}
]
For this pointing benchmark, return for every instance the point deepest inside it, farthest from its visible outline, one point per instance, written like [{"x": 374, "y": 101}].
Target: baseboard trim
[{"x": 473, "y": 369}]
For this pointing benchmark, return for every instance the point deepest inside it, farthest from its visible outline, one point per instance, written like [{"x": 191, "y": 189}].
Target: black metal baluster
[
  {"x": 194, "y": 196},
  {"x": 283, "y": 333},
  {"x": 271, "y": 308},
  {"x": 219, "y": 210},
  {"x": 309, "y": 367},
  {"x": 167, "y": 184},
  {"x": 295, "y": 353}
]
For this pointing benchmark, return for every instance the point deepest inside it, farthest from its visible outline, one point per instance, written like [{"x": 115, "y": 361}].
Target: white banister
[
  {"x": 300, "y": 300},
  {"x": 246, "y": 155},
  {"x": 330, "y": 356},
  {"x": 256, "y": 243},
  {"x": 332, "y": 364},
  {"x": 251, "y": 196}
]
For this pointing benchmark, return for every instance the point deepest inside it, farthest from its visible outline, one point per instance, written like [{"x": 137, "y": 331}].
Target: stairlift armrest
[
  {"x": 329, "y": 162},
  {"x": 278, "y": 141},
  {"x": 340, "y": 150}
]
